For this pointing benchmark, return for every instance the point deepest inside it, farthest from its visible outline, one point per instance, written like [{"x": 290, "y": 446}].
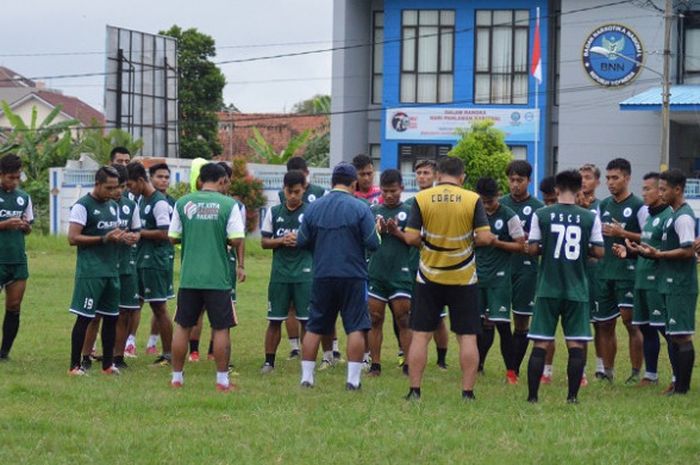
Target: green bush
[{"x": 484, "y": 152}]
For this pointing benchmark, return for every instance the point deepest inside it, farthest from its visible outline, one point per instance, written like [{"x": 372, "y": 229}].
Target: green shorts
[
  {"x": 95, "y": 296},
  {"x": 680, "y": 314},
  {"x": 155, "y": 285},
  {"x": 129, "y": 291},
  {"x": 9, "y": 273},
  {"x": 612, "y": 296},
  {"x": 575, "y": 320},
  {"x": 390, "y": 290},
  {"x": 649, "y": 308},
  {"x": 523, "y": 294},
  {"x": 281, "y": 296},
  {"x": 494, "y": 303}
]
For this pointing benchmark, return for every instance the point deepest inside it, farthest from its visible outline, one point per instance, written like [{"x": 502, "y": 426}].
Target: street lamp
[{"x": 665, "y": 99}]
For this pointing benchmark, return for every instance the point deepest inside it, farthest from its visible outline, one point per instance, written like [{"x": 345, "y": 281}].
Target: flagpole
[{"x": 535, "y": 188}]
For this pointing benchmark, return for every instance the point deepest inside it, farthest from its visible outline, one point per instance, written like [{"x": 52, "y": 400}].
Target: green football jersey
[
  {"x": 313, "y": 192},
  {"x": 155, "y": 214},
  {"x": 679, "y": 276},
  {"x": 14, "y": 204},
  {"x": 565, "y": 233},
  {"x": 523, "y": 263},
  {"x": 97, "y": 219},
  {"x": 631, "y": 214},
  {"x": 394, "y": 259},
  {"x": 129, "y": 220},
  {"x": 493, "y": 265},
  {"x": 289, "y": 264},
  {"x": 204, "y": 221},
  {"x": 652, "y": 232}
]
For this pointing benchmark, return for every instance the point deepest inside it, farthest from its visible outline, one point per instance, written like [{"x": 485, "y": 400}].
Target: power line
[
  {"x": 377, "y": 109},
  {"x": 344, "y": 47}
]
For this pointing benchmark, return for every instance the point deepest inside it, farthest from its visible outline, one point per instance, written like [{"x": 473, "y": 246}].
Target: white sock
[
  {"x": 354, "y": 371},
  {"x": 335, "y": 345},
  {"x": 222, "y": 378},
  {"x": 294, "y": 343},
  {"x": 152, "y": 340},
  {"x": 307, "y": 371},
  {"x": 178, "y": 377},
  {"x": 599, "y": 366},
  {"x": 651, "y": 376},
  {"x": 673, "y": 378},
  {"x": 131, "y": 340},
  {"x": 365, "y": 358},
  {"x": 547, "y": 370},
  {"x": 328, "y": 356}
]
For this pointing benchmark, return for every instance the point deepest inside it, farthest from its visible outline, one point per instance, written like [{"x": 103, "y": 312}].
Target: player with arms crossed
[
  {"x": 564, "y": 234},
  {"x": 290, "y": 276},
  {"x": 16, "y": 217}
]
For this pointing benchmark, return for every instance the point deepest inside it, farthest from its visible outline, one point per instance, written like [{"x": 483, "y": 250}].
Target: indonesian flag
[{"x": 536, "y": 70}]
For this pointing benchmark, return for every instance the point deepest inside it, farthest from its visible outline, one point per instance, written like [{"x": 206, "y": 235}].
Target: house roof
[
  {"x": 9, "y": 78},
  {"x": 276, "y": 128},
  {"x": 16, "y": 89},
  {"x": 683, "y": 98},
  {"x": 73, "y": 107}
]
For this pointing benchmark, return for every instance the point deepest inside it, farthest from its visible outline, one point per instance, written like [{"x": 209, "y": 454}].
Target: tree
[
  {"x": 318, "y": 149},
  {"x": 40, "y": 146},
  {"x": 317, "y": 152},
  {"x": 316, "y": 105},
  {"x": 247, "y": 189},
  {"x": 200, "y": 93},
  {"x": 99, "y": 145},
  {"x": 267, "y": 153},
  {"x": 484, "y": 152}
]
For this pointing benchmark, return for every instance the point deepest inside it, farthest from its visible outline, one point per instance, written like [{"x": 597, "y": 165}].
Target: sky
[{"x": 241, "y": 29}]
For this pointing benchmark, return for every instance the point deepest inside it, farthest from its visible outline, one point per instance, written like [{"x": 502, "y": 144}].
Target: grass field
[{"x": 48, "y": 417}]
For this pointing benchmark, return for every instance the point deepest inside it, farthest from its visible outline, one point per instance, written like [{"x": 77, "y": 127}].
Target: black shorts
[
  {"x": 330, "y": 296},
  {"x": 191, "y": 303},
  {"x": 429, "y": 300}
]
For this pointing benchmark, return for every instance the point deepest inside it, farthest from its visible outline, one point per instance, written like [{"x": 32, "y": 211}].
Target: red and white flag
[{"x": 536, "y": 70}]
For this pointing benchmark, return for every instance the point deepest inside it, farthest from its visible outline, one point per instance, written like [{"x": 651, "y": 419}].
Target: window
[
  {"x": 427, "y": 52},
  {"x": 519, "y": 151},
  {"x": 375, "y": 153},
  {"x": 377, "y": 56},
  {"x": 410, "y": 153},
  {"x": 691, "y": 42},
  {"x": 501, "y": 73}
]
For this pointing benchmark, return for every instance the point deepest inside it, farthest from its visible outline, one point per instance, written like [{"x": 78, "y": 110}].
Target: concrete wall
[
  {"x": 350, "y": 89},
  {"x": 592, "y": 129}
]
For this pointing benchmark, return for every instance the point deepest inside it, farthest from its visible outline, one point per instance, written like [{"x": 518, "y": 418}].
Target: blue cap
[{"x": 345, "y": 169}]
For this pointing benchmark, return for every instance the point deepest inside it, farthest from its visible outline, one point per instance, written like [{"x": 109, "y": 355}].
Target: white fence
[{"x": 67, "y": 185}]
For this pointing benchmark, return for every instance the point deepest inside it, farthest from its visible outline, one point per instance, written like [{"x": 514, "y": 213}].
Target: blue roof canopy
[{"x": 683, "y": 98}]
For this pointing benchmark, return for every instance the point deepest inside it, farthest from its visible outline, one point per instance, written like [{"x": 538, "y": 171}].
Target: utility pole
[{"x": 666, "y": 87}]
